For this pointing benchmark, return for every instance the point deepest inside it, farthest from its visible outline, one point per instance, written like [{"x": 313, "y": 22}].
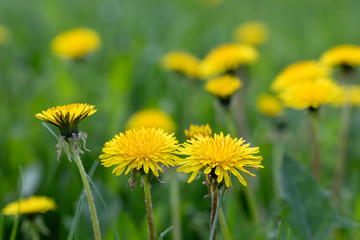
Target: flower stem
[
  {"x": 149, "y": 211},
  {"x": 94, "y": 218},
  {"x": 15, "y": 227},
  {"x": 175, "y": 208},
  {"x": 213, "y": 210},
  {"x": 216, "y": 216},
  {"x": 224, "y": 226},
  {"x": 341, "y": 159},
  {"x": 314, "y": 141}
]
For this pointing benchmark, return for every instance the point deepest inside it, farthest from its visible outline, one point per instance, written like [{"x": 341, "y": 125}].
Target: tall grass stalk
[
  {"x": 149, "y": 211},
  {"x": 224, "y": 226},
  {"x": 175, "y": 208},
  {"x": 216, "y": 216},
  {"x": 1, "y": 225}
]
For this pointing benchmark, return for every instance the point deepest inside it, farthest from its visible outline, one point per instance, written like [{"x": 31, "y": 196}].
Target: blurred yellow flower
[
  {"x": 67, "y": 117},
  {"x": 194, "y": 130},
  {"x": 227, "y": 57},
  {"x": 298, "y": 73},
  {"x": 348, "y": 55},
  {"x": 183, "y": 63},
  {"x": 141, "y": 149},
  {"x": 3, "y": 35},
  {"x": 31, "y": 205},
  {"x": 252, "y": 33},
  {"x": 220, "y": 156},
  {"x": 349, "y": 95},
  {"x": 310, "y": 94},
  {"x": 75, "y": 43},
  {"x": 150, "y": 118},
  {"x": 269, "y": 105},
  {"x": 223, "y": 87}
]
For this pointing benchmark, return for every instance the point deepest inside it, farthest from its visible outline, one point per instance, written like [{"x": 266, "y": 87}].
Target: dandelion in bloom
[
  {"x": 76, "y": 43},
  {"x": 218, "y": 157},
  {"x": 299, "y": 72},
  {"x": 31, "y": 205},
  {"x": 194, "y": 130},
  {"x": 310, "y": 94},
  {"x": 223, "y": 88},
  {"x": 269, "y": 105},
  {"x": 3, "y": 35},
  {"x": 67, "y": 118},
  {"x": 227, "y": 58},
  {"x": 150, "y": 118},
  {"x": 251, "y": 33},
  {"x": 345, "y": 56},
  {"x": 183, "y": 63}
]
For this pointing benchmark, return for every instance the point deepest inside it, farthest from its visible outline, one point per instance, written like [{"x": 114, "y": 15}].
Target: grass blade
[{"x": 166, "y": 231}]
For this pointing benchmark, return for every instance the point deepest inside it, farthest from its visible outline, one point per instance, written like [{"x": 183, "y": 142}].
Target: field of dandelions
[{"x": 172, "y": 93}]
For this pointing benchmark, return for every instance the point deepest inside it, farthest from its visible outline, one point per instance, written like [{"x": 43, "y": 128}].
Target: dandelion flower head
[
  {"x": 310, "y": 94},
  {"x": 218, "y": 157},
  {"x": 299, "y": 72},
  {"x": 3, "y": 35},
  {"x": 269, "y": 105},
  {"x": 252, "y": 33},
  {"x": 194, "y": 130},
  {"x": 75, "y": 43},
  {"x": 67, "y": 117},
  {"x": 150, "y": 118},
  {"x": 141, "y": 149},
  {"x": 183, "y": 63},
  {"x": 31, "y": 205},
  {"x": 348, "y": 55},
  {"x": 348, "y": 95},
  {"x": 224, "y": 86},
  {"x": 227, "y": 57}
]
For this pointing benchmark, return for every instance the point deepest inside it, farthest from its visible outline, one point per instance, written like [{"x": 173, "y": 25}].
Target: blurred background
[{"x": 125, "y": 75}]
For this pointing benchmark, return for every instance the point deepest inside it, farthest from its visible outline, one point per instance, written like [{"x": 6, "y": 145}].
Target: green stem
[
  {"x": 341, "y": 159},
  {"x": 175, "y": 208},
  {"x": 15, "y": 227},
  {"x": 314, "y": 141},
  {"x": 213, "y": 209},
  {"x": 213, "y": 229},
  {"x": 1, "y": 225},
  {"x": 149, "y": 211},
  {"x": 224, "y": 226},
  {"x": 94, "y": 218}
]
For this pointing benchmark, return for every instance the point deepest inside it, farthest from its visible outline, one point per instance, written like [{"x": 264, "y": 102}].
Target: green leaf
[{"x": 310, "y": 212}]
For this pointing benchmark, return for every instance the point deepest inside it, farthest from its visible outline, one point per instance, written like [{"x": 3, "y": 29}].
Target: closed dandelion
[
  {"x": 345, "y": 56},
  {"x": 223, "y": 88},
  {"x": 76, "y": 43}
]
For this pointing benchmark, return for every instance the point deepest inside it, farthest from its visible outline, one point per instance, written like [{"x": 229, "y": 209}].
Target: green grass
[{"x": 124, "y": 76}]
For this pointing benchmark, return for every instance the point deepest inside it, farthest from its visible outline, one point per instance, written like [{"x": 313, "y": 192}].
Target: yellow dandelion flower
[
  {"x": 269, "y": 105},
  {"x": 223, "y": 87},
  {"x": 252, "y": 33},
  {"x": 220, "y": 156},
  {"x": 342, "y": 55},
  {"x": 194, "y": 130},
  {"x": 67, "y": 117},
  {"x": 299, "y": 72},
  {"x": 31, "y": 205},
  {"x": 183, "y": 63},
  {"x": 227, "y": 57},
  {"x": 310, "y": 94},
  {"x": 141, "y": 149},
  {"x": 348, "y": 95},
  {"x": 150, "y": 118},
  {"x": 75, "y": 43},
  {"x": 3, "y": 35}
]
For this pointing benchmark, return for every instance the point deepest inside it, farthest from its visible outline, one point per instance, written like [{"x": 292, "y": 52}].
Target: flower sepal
[{"x": 65, "y": 144}]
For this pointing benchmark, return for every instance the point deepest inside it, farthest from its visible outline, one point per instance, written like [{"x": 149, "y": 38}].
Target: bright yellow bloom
[
  {"x": 298, "y": 73},
  {"x": 252, "y": 33},
  {"x": 348, "y": 94},
  {"x": 150, "y": 118},
  {"x": 342, "y": 55},
  {"x": 140, "y": 149},
  {"x": 224, "y": 86},
  {"x": 194, "y": 130},
  {"x": 31, "y": 205},
  {"x": 269, "y": 105},
  {"x": 75, "y": 43},
  {"x": 220, "y": 156},
  {"x": 227, "y": 57},
  {"x": 310, "y": 94},
  {"x": 182, "y": 62},
  {"x": 67, "y": 117},
  {"x": 3, "y": 35}
]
